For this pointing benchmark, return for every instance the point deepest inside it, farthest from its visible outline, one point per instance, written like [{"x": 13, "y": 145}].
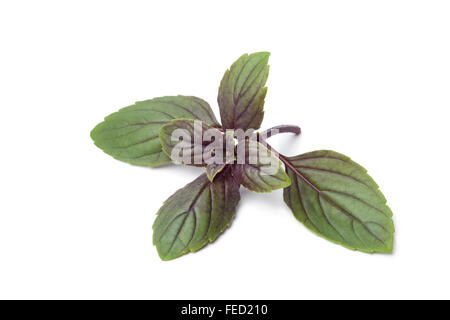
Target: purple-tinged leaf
[
  {"x": 262, "y": 170},
  {"x": 131, "y": 134},
  {"x": 195, "y": 215},
  {"x": 213, "y": 169},
  {"x": 193, "y": 142},
  {"x": 242, "y": 92},
  {"x": 336, "y": 198}
]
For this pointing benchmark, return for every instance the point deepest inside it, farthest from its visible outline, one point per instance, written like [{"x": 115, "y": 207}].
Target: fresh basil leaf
[
  {"x": 195, "y": 215},
  {"x": 191, "y": 142},
  {"x": 228, "y": 156},
  {"x": 262, "y": 170},
  {"x": 213, "y": 169},
  {"x": 131, "y": 134},
  {"x": 336, "y": 198},
  {"x": 242, "y": 92}
]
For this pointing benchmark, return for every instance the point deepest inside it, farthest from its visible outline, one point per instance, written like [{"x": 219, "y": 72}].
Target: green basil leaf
[
  {"x": 242, "y": 92},
  {"x": 197, "y": 144},
  {"x": 336, "y": 198},
  {"x": 262, "y": 170},
  {"x": 131, "y": 134},
  {"x": 195, "y": 215}
]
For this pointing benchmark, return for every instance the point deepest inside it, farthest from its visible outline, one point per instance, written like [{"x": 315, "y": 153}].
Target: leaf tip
[{"x": 265, "y": 54}]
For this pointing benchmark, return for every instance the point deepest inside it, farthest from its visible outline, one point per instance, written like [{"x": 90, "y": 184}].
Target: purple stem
[{"x": 281, "y": 129}]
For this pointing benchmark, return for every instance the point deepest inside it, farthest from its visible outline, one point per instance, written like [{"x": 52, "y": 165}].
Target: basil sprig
[{"x": 330, "y": 194}]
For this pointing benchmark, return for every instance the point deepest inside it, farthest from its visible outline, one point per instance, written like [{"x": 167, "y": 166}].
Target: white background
[{"x": 369, "y": 79}]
